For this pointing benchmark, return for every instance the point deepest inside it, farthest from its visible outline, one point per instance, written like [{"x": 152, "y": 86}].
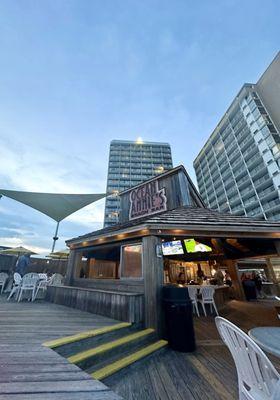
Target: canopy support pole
[{"x": 55, "y": 238}]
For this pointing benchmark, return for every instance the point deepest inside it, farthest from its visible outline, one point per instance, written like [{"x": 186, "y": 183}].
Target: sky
[{"x": 76, "y": 74}]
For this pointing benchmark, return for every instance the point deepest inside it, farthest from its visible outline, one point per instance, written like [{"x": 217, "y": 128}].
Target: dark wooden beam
[
  {"x": 236, "y": 283},
  {"x": 153, "y": 282}
]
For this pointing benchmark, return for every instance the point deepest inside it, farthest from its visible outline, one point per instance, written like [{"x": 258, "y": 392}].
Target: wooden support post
[
  {"x": 236, "y": 283},
  {"x": 270, "y": 271},
  {"x": 153, "y": 282},
  {"x": 277, "y": 246},
  {"x": 70, "y": 268}
]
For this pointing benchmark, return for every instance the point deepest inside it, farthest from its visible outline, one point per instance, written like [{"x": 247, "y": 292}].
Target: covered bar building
[{"x": 165, "y": 231}]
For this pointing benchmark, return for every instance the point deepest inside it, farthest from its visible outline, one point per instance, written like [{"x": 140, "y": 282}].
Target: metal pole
[{"x": 55, "y": 238}]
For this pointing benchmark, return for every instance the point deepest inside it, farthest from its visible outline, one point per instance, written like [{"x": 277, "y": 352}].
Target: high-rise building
[
  {"x": 238, "y": 169},
  {"x": 129, "y": 164}
]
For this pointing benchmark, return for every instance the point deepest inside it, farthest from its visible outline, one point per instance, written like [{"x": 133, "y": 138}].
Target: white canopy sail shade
[{"x": 55, "y": 205}]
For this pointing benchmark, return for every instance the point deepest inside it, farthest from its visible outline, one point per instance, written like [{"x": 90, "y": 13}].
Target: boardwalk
[{"x": 30, "y": 371}]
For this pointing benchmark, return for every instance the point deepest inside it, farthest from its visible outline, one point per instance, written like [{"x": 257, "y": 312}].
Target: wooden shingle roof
[
  {"x": 189, "y": 217},
  {"x": 205, "y": 216}
]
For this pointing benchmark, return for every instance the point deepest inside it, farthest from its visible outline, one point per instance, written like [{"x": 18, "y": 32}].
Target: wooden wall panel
[
  {"x": 117, "y": 285},
  {"x": 126, "y": 307}
]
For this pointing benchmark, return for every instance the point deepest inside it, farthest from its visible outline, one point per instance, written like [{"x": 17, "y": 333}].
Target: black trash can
[{"x": 178, "y": 318}]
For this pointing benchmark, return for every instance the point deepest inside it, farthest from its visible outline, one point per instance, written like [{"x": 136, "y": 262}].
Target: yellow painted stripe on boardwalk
[
  {"x": 126, "y": 361},
  {"x": 85, "y": 335},
  {"x": 218, "y": 386},
  {"x": 82, "y": 356}
]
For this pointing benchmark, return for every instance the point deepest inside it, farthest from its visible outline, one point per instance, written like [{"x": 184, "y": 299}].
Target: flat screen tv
[
  {"x": 172, "y": 248},
  {"x": 192, "y": 246}
]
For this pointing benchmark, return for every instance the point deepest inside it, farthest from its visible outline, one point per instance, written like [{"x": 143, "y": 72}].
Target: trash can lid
[{"x": 175, "y": 293}]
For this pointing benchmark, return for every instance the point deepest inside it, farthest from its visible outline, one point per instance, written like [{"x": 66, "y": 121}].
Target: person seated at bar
[
  {"x": 228, "y": 280},
  {"x": 200, "y": 274},
  {"x": 181, "y": 279}
]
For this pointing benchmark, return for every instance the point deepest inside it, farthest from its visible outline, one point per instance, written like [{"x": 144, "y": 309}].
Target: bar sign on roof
[{"x": 146, "y": 200}]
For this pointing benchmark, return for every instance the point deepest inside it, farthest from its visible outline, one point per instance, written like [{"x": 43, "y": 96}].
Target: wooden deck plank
[
  {"x": 43, "y": 376},
  {"x": 53, "y": 367},
  {"x": 101, "y": 395},
  {"x": 52, "y": 386}
]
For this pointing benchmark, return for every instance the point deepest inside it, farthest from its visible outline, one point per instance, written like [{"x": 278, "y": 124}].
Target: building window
[
  {"x": 131, "y": 262},
  {"x": 102, "y": 269}
]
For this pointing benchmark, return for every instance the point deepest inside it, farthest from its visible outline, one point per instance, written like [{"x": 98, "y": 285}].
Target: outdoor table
[{"x": 268, "y": 338}]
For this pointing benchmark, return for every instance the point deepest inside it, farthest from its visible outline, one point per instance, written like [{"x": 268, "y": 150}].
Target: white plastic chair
[
  {"x": 207, "y": 297},
  {"x": 3, "y": 279},
  {"x": 56, "y": 280},
  {"x": 257, "y": 377},
  {"x": 28, "y": 283},
  {"x": 42, "y": 284},
  {"x": 193, "y": 296},
  {"x": 16, "y": 285}
]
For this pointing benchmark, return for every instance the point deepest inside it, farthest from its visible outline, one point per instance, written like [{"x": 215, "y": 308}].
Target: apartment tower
[
  {"x": 131, "y": 163},
  {"x": 238, "y": 168}
]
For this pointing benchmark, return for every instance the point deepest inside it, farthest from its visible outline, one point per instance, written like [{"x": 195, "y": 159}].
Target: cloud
[
  {"x": 33, "y": 167},
  {"x": 92, "y": 214},
  {"x": 18, "y": 231},
  {"x": 11, "y": 241}
]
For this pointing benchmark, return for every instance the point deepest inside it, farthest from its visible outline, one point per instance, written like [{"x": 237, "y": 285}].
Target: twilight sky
[{"x": 75, "y": 74}]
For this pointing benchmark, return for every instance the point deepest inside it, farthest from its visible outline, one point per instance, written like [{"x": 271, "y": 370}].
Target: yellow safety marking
[
  {"x": 84, "y": 335},
  {"x": 76, "y": 358},
  {"x": 124, "y": 362}
]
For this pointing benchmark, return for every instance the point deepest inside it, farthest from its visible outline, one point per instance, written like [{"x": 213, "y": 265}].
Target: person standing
[
  {"x": 22, "y": 264},
  {"x": 258, "y": 282},
  {"x": 249, "y": 287},
  {"x": 219, "y": 277}
]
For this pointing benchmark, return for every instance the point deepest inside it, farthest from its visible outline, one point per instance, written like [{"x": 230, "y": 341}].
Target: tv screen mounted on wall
[{"x": 172, "y": 248}]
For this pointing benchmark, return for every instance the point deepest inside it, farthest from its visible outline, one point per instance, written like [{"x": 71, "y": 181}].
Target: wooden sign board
[
  {"x": 146, "y": 200},
  {"x": 161, "y": 193}
]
